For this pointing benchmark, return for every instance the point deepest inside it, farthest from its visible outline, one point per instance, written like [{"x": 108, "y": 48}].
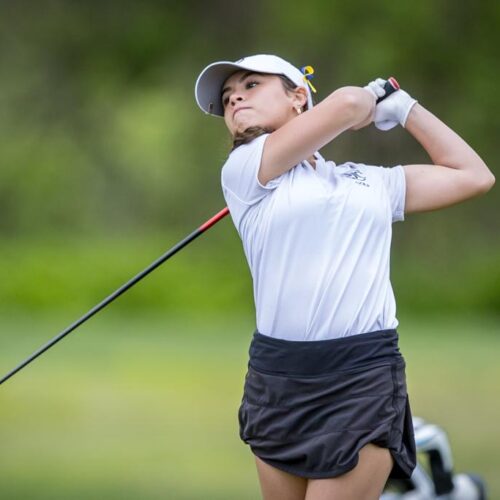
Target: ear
[{"x": 300, "y": 97}]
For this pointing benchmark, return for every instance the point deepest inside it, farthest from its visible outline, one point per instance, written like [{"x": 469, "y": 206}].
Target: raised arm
[
  {"x": 458, "y": 172},
  {"x": 346, "y": 108}
]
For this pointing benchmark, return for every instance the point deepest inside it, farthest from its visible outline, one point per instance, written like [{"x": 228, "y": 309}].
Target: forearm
[
  {"x": 443, "y": 145},
  {"x": 308, "y": 132},
  {"x": 361, "y": 105}
]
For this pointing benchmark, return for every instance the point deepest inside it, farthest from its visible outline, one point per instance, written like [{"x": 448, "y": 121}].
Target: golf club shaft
[{"x": 209, "y": 223}]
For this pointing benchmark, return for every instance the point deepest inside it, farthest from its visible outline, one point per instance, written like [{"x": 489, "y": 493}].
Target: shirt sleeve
[
  {"x": 395, "y": 185},
  {"x": 239, "y": 173},
  {"x": 240, "y": 185}
]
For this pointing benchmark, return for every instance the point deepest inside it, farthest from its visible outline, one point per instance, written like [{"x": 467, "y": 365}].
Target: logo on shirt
[{"x": 357, "y": 176}]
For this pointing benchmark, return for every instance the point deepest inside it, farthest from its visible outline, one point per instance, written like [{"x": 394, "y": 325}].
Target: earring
[{"x": 299, "y": 110}]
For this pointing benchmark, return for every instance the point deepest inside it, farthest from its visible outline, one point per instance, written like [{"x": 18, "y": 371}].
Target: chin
[{"x": 248, "y": 124}]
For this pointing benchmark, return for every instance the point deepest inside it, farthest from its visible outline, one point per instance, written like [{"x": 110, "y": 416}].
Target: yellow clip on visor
[{"x": 308, "y": 72}]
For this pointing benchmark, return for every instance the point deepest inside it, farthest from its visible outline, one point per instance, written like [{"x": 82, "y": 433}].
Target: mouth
[{"x": 239, "y": 109}]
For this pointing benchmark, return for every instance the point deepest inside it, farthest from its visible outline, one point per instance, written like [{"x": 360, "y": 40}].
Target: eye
[{"x": 248, "y": 85}]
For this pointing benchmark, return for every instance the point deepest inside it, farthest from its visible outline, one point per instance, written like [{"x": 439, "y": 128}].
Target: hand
[
  {"x": 376, "y": 87},
  {"x": 392, "y": 110}
]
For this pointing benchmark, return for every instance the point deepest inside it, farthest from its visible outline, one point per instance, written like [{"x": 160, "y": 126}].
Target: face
[{"x": 255, "y": 99}]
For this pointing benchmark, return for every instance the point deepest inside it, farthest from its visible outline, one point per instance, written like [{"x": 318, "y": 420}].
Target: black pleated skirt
[{"x": 309, "y": 406}]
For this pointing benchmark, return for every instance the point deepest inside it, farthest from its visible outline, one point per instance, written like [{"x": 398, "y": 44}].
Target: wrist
[
  {"x": 408, "y": 113},
  {"x": 403, "y": 105},
  {"x": 355, "y": 104},
  {"x": 364, "y": 103}
]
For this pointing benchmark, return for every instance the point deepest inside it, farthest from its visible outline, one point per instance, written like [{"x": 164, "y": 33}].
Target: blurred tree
[{"x": 100, "y": 134}]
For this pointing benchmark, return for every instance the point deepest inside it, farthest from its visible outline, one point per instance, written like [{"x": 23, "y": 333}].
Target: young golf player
[{"x": 325, "y": 408}]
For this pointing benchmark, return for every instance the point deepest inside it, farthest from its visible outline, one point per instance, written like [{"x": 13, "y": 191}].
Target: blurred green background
[{"x": 106, "y": 162}]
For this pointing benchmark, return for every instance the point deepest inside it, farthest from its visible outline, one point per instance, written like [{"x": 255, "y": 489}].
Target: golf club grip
[{"x": 390, "y": 86}]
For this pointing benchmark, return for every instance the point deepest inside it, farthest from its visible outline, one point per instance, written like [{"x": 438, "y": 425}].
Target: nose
[{"x": 235, "y": 97}]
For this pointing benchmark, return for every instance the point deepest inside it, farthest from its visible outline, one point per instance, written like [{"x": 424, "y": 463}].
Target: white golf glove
[{"x": 392, "y": 110}]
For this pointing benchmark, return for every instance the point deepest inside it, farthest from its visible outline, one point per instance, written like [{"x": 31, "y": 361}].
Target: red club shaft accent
[{"x": 216, "y": 218}]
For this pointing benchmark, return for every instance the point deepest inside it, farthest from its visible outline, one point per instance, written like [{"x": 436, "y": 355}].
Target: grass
[{"x": 146, "y": 407}]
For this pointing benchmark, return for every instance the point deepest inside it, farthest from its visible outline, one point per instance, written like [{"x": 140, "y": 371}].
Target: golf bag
[{"x": 433, "y": 477}]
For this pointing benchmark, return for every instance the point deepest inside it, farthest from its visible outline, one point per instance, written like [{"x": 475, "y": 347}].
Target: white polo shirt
[{"x": 317, "y": 242}]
